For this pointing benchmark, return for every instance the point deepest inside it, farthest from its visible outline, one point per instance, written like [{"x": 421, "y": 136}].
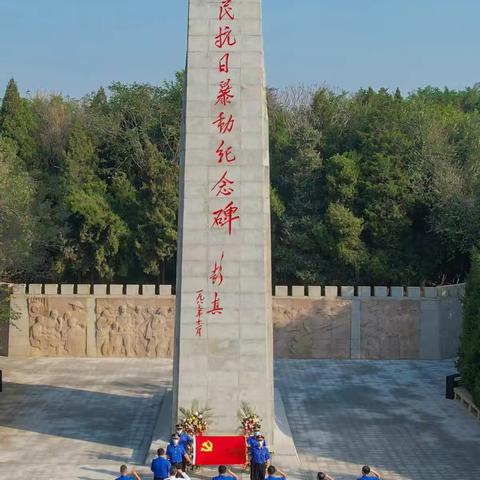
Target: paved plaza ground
[
  {"x": 79, "y": 419},
  {"x": 392, "y": 415}
]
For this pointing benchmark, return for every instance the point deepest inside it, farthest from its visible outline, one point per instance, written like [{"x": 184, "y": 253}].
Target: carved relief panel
[
  {"x": 57, "y": 326},
  {"x": 134, "y": 327}
]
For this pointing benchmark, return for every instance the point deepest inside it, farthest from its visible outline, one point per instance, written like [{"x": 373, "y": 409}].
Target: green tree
[
  {"x": 157, "y": 222},
  {"x": 19, "y": 229},
  {"x": 339, "y": 240},
  {"x": 469, "y": 355},
  {"x": 22, "y": 243},
  {"x": 19, "y": 122},
  {"x": 95, "y": 231}
]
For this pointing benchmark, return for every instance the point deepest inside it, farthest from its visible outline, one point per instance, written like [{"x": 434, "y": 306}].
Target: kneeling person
[
  {"x": 225, "y": 474},
  {"x": 369, "y": 474},
  {"x": 323, "y": 476},
  {"x": 124, "y": 474},
  {"x": 271, "y": 470},
  {"x": 177, "y": 473}
]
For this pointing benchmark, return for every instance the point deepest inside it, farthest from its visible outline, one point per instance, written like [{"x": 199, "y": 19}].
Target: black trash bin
[{"x": 452, "y": 381}]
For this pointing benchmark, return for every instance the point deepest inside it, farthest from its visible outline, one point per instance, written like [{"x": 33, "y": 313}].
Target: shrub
[{"x": 469, "y": 355}]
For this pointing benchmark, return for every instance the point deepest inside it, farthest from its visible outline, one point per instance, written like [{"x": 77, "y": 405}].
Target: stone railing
[{"x": 309, "y": 322}]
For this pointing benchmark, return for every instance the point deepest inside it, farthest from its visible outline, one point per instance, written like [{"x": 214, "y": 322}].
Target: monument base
[{"x": 284, "y": 452}]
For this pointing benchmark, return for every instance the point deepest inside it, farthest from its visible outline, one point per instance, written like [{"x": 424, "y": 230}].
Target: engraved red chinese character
[
  {"x": 217, "y": 272},
  {"x": 226, "y": 216},
  {"x": 225, "y": 96},
  {"x": 223, "y": 187},
  {"x": 224, "y": 64},
  {"x": 216, "y": 308},
  {"x": 225, "y": 37},
  {"x": 224, "y": 125},
  {"x": 225, "y": 154},
  {"x": 226, "y": 10},
  {"x": 199, "y": 326},
  {"x": 199, "y": 299}
]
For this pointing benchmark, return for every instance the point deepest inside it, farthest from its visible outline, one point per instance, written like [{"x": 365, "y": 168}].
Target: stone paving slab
[
  {"x": 80, "y": 419},
  {"x": 393, "y": 415},
  {"x": 77, "y": 418}
]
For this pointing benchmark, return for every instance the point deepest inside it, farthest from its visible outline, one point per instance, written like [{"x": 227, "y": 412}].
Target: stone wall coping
[
  {"x": 465, "y": 399},
  {"x": 82, "y": 289},
  {"x": 295, "y": 291},
  {"x": 370, "y": 292}
]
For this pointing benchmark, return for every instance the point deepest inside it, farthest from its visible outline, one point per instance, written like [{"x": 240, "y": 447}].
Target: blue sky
[{"x": 74, "y": 46}]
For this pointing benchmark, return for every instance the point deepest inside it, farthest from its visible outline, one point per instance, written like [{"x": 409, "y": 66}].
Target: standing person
[
  {"x": 177, "y": 473},
  {"x": 225, "y": 474},
  {"x": 160, "y": 466},
  {"x": 369, "y": 473},
  {"x": 260, "y": 459},
  {"x": 124, "y": 474},
  {"x": 271, "y": 470},
  {"x": 184, "y": 438},
  {"x": 252, "y": 439},
  {"x": 323, "y": 476},
  {"x": 176, "y": 454},
  {"x": 185, "y": 441}
]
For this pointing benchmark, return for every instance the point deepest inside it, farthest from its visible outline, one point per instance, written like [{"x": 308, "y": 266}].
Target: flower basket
[
  {"x": 195, "y": 420},
  {"x": 249, "y": 420}
]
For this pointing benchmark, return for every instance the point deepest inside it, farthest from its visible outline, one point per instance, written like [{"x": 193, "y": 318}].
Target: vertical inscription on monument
[{"x": 223, "y": 333}]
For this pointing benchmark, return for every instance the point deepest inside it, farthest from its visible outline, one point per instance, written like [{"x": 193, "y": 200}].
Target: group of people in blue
[{"x": 171, "y": 463}]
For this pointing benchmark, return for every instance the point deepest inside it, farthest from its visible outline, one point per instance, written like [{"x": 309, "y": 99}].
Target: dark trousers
[{"x": 257, "y": 471}]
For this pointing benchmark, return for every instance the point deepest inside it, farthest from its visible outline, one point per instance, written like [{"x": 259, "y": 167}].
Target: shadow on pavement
[{"x": 104, "y": 418}]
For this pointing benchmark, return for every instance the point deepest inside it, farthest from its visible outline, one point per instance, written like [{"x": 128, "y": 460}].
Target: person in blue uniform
[
  {"x": 275, "y": 473},
  {"x": 225, "y": 474},
  {"x": 176, "y": 454},
  {"x": 160, "y": 466},
  {"x": 252, "y": 439},
  {"x": 186, "y": 441},
  {"x": 260, "y": 459},
  {"x": 124, "y": 475},
  {"x": 183, "y": 437},
  {"x": 369, "y": 473}
]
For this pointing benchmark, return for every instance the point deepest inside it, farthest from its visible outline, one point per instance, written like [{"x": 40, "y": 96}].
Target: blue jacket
[
  {"x": 175, "y": 453},
  {"x": 160, "y": 467},
  {"x": 260, "y": 455},
  {"x": 184, "y": 440}
]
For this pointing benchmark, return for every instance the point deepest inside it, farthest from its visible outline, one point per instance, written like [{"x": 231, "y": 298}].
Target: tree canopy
[{"x": 373, "y": 187}]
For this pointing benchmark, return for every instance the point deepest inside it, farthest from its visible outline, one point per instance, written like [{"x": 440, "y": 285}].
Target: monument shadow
[{"x": 97, "y": 417}]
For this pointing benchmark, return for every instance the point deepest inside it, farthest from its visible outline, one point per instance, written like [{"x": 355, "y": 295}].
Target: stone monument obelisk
[{"x": 223, "y": 332}]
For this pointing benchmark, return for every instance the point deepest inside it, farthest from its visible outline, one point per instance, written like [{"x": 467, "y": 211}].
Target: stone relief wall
[
  {"x": 390, "y": 330},
  {"x": 397, "y": 324},
  {"x": 134, "y": 327},
  {"x": 311, "y": 328},
  {"x": 57, "y": 326}
]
